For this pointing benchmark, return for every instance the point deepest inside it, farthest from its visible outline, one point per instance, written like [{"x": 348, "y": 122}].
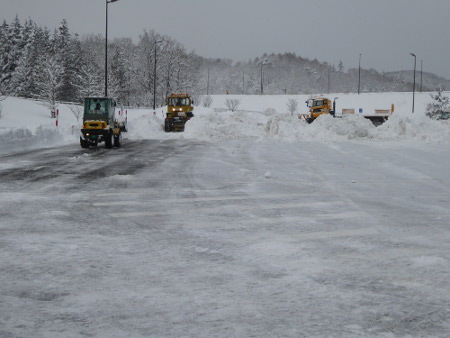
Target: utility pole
[
  {"x": 207, "y": 83},
  {"x": 263, "y": 62},
  {"x": 106, "y": 48},
  {"x": 359, "y": 75},
  {"x": 421, "y": 69},
  {"x": 262, "y": 88},
  {"x": 329, "y": 69},
  {"x": 154, "y": 78},
  {"x": 414, "y": 82}
]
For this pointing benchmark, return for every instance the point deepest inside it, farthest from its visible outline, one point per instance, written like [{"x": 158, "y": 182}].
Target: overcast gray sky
[{"x": 385, "y": 32}]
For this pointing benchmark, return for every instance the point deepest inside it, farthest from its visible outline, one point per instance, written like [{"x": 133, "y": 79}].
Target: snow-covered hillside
[{"x": 27, "y": 123}]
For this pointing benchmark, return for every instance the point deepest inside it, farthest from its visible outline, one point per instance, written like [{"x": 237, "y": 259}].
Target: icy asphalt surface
[{"x": 235, "y": 239}]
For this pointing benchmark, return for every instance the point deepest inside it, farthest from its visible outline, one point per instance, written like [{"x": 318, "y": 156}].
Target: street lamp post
[
  {"x": 421, "y": 71},
  {"x": 264, "y": 62},
  {"x": 262, "y": 88},
  {"x": 359, "y": 75},
  {"x": 106, "y": 48},
  {"x": 414, "y": 81},
  {"x": 154, "y": 78},
  {"x": 207, "y": 83}
]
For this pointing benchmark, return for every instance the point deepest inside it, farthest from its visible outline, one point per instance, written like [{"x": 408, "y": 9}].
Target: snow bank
[
  {"x": 417, "y": 126},
  {"x": 270, "y": 124},
  {"x": 27, "y": 123}
]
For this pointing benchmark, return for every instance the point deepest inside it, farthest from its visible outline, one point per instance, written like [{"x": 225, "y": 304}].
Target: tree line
[
  {"x": 62, "y": 66},
  {"x": 37, "y": 63}
]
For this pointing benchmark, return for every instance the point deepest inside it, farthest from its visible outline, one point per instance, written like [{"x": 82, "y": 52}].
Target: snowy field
[{"x": 248, "y": 224}]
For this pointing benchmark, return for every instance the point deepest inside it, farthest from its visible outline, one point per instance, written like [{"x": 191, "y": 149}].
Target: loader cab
[{"x": 99, "y": 109}]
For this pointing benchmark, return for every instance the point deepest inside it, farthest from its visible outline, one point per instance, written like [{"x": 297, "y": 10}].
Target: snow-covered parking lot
[{"x": 246, "y": 225}]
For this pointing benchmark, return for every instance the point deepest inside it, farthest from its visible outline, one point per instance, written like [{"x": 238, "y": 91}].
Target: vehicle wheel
[
  {"x": 378, "y": 121},
  {"x": 118, "y": 140},
  {"x": 109, "y": 140},
  {"x": 84, "y": 143}
]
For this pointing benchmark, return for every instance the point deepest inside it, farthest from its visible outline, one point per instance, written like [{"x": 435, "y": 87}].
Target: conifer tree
[{"x": 438, "y": 107}]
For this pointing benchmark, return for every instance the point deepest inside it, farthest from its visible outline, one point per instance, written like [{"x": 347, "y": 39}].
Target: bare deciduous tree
[
  {"x": 50, "y": 83},
  {"x": 77, "y": 111},
  {"x": 232, "y": 104},
  {"x": 292, "y": 105},
  {"x": 207, "y": 101},
  {"x": 89, "y": 82}
]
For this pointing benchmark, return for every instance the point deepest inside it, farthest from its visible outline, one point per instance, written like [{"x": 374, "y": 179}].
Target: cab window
[
  {"x": 97, "y": 107},
  {"x": 318, "y": 103}
]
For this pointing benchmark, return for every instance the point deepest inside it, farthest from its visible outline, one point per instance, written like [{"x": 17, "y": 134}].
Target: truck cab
[
  {"x": 179, "y": 111},
  {"x": 318, "y": 106}
]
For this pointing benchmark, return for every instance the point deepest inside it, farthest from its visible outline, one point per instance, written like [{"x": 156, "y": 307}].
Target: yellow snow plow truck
[
  {"x": 179, "y": 111},
  {"x": 322, "y": 105},
  {"x": 100, "y": 123}
]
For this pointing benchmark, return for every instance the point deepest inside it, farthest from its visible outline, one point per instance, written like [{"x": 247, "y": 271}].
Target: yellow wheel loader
[{"x": 100, "y": 123}]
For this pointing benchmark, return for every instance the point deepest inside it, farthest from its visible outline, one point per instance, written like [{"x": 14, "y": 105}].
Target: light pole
[
  {"x": 154, "y": 78},
  {"x": 421, "y": 71},
  {"x": 106, "y": 48},
  {"x": 264, "y": 62},
  {"x": 414, "y": 82},
  {"x": 359, "y": 75},
  {"x": 262, "y": 88},
  {"x": 207, "y": 83}
]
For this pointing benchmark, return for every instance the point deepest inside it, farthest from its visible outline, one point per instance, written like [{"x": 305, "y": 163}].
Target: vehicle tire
[
  {"x": 167, "y": 127},
  {"x": 84, "y": 143},
  {"x": 109, "y": 140},
  {"x": 378, "y": 121},
  {"x": 118, "y": 140}
]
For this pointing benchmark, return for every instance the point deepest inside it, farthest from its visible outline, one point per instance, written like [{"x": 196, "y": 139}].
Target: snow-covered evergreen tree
[
  {"x": 68, "y": 51},
  {"x": 439, "y": 105},
  {"x": 13, "y": 47},
  {"x": 340, "y": 68}
]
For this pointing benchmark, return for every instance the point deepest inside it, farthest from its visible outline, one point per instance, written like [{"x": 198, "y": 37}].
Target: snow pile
[
  {"x": 145, "y": 125},
  {"x": 210, "y": 125},
  {"x": 226, "y": 125},
  {"x": 22, "y": 138},
  {"x": 27, "y": 123},
  {"x": 417, "y": 126}
]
